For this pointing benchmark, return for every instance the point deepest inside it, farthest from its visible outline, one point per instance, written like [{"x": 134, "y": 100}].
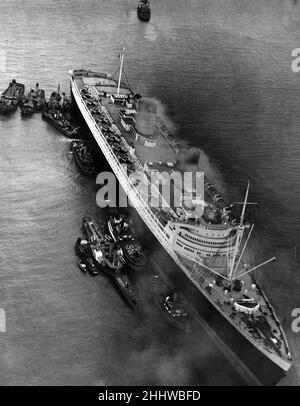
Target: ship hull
[
  {"x": 70, "y": 134},
  {"x": 262, "y": 369},
  {"x": 86, "y": 170}
]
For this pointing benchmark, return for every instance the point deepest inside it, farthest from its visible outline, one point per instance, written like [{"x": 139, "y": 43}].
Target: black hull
[
  {"x": 86, "y": 171},
  {"x": 88, "y": 270},
  {"x": 84, "y": 255},
  {"x": 29, "y": 111},
  {"x": 8, "y": 110},
  {"x": 58, "y": 127},
  {"x": 129, "y": 298},
  {"x": 106, "y": 269},
  {"x": 144, "y": 15},
  {"x": 181, "y": 325},
  {"x": 260, "y": 366},
  {"x": 83, "y": 270},
  {"x": 266, "y": 371},
  {"x": 17, "y": 101}
]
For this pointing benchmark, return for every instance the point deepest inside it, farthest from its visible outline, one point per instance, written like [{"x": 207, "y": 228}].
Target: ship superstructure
[{"x": 202, "y": 236}]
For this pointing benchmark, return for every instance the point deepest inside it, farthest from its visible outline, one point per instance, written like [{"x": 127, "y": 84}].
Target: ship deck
[
  {"x": 159, "y": 154},
  {"x": 263, "y": 325},
  {"x": 161, "y": 158},
  {"x": 262, "y": 328}
]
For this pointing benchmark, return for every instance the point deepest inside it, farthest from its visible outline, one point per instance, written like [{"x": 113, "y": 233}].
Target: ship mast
[
  {"x": 239, "y": 235},
  {"x": 122, "y": 53},
  {"x": 240, "y": 231}
]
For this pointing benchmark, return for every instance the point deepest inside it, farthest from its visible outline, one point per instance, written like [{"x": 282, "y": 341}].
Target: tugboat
[
  {"x": 172, "y": 305},
  {"x": 33, "y": 101},
  {"x": 83, "y": 157},
  {"x": 108, "y": 256},
  {"x": 11, "y": 97},
  {"x": 143, "y": 10},
  {"x": 54, "y": 101},
  {"x": 59, "y": 101},
  {"x": 87, "y": 265},
  {"x": 123, "y": 234},
  {"x": 59, "y": 121},
  {"x": 123, "y": 284},
  {"x": 83, "y": 251}
]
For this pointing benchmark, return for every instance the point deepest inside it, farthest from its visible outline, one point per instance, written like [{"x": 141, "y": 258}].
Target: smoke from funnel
[{"x": 146, "y": 117}]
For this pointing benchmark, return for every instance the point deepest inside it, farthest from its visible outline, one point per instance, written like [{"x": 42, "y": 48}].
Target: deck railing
[{"x": 150, "y": 219}]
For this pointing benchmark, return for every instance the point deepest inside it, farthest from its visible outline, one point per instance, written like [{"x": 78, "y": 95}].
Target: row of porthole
[
  {"x": 196, "y": 239},
  {"x": 208, "y": 253},
  {"x": 214, "y": 229},
  {"x": 216, "y": 235},
  {"x": 207, "y": 243}
]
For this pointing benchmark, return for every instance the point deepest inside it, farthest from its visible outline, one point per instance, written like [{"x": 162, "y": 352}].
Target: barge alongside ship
[
  {"x": 33, "y": 101},
  {"x": 60, "y": 123},
  {"x": 83, "y": 157},
  {"x": 207, "y": 245},
  {"x": 122, "y": 233},
  {"x": 106, "y": 255},
  {"x": 11, "y": 97}
]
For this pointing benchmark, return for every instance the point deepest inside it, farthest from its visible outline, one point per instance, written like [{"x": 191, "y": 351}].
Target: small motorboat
[
  {"x": 123, "y": 284},
  {"x": 86, "y": 263},
  {"x": 83, "y": 157},
  {"x": 82, "y": 248},
  {"x": 143, "y": 10},
  {"x": 59, "y": 121},
  {"x": 33, "y": 101},
  {"x": 82, "y": 266},
  {"x": 124, "y": 235},
  {"x": 173, "y": 307},
  {"x": 11, "y": 97},
  {"x": 91, "y": 267},
  {"x": 90, "y": 229}
]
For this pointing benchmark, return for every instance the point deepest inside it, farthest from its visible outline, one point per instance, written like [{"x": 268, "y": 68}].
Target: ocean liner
[{"x": 202, "y": 237}]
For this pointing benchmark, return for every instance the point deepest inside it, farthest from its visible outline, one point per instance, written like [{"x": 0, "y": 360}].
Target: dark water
[{"x": 222, "y": 69}]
